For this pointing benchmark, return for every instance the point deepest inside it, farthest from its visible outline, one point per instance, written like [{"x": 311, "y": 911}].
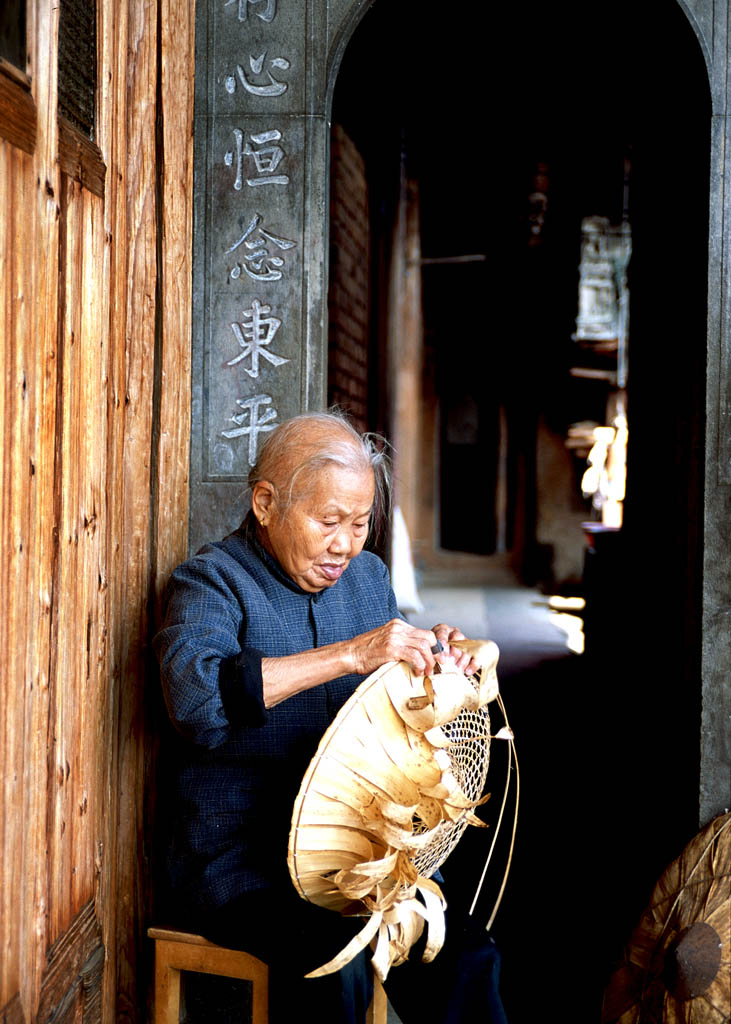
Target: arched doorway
[{"x": 586, "y": 94}]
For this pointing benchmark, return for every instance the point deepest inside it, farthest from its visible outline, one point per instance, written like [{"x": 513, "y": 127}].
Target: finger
[
  {"x": 457, "y": 660},
  {"x": 410, "y": 644},
  {"x": 446, "y": 634},
  {"x": 441, "y": 631},
  {"x": 466, "y": 664},
  {"x": 461, "y": 658},
  {"x": 416, "y": 660},
  {"x": 423, "y": 645},
  {"x": 424, "y": 661}
]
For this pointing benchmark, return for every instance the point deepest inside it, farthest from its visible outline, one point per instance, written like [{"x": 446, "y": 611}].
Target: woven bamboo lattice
[{"x": 388, "y": 794}]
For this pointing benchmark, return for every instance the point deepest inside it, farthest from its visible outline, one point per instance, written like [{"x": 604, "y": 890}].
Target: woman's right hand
[
  {"x": 395, "y": 641},
  {"x": 285, "y": 676}
]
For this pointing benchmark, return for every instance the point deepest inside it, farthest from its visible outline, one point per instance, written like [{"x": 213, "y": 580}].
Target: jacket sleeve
[{"x": 209, "y": 682}]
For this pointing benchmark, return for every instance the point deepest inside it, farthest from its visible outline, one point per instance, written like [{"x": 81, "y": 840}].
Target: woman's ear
[{"x": 263, "y": 501}]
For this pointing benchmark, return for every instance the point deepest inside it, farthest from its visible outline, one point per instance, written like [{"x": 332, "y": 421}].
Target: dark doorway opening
[{"x": 487, "y": 112}]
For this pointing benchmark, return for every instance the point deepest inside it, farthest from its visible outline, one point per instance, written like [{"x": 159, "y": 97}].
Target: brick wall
[{"x": 348, "y": 296}]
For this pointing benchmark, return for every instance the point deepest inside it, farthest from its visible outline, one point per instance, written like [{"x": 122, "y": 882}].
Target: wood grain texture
[
  {"x": 12, "y": 1012},
  {"x": 127, "y": 139},
  {"x": 177, "y": 951},
  {"x": 75, "y": 750},
  {"x": 80, "y": 158},
  {"x": 71, "y": 983},
  {"x": 39, "y": 230},
  {"x": 16, "y": 324},
  {"x": 94, "y": 317},
  {"x": 177, "y": 71},
  {"x": 17, "y": 112}
]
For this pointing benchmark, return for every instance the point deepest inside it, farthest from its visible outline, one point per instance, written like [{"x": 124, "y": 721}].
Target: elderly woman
[{"x": 265, "y": 636}]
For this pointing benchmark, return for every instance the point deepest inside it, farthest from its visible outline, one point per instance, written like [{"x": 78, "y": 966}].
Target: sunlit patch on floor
[{"x": 562, "y": 616}]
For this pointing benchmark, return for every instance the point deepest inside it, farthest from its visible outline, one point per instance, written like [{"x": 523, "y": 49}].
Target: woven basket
[{"x": 388, "y": 794}]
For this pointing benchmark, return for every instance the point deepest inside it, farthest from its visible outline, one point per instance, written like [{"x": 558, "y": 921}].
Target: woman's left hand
[{"x": 445, "y": 635}]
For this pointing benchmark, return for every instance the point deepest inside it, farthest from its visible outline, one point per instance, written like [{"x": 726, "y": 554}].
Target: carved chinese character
[
  {"x": 253, "y": 337},
  {"x": 257, "y": 261},
  {"x": 268, "y": 14},
  {"x": 266, "y": 158},
  {"x": 258, "y": 421},
  {"x": 256, "y": 64}
]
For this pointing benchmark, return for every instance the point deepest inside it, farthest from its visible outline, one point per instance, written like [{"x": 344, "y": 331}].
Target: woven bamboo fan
[
  {"x": 676, "y": 968},
  {"x": 388, "y": 794}
]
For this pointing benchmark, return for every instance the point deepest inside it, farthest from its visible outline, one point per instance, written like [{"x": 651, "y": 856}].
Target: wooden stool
[{"x": 179, "y": 951}]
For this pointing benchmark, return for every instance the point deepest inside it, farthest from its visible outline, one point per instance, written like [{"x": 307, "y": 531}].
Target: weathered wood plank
[
  {"x": 71, "y": 977},
  {"x": 78, "y": 675},
  {"x": 112, "y": 29},
  {"x": 173, "y": 460},
  {"x": 15, "y": 430},
  {"x": 17, "y": 111},
  {"x": 12, "y": 1012},
  {"x": 42, "y": 213},
  {"x": 93, "y": 520},
  {"x": 80, "y": 158},
  {"x": 127, "y": 140},
  {"x": 93, "y": 498}
]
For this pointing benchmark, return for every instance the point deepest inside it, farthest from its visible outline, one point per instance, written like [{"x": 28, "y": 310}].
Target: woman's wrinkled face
[{"x": 316, "y": 537}]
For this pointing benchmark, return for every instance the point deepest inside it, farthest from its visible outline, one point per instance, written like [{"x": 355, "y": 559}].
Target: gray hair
[{"x": 291, "y": 456}]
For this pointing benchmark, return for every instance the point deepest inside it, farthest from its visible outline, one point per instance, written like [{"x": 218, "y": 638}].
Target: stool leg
[
  {"x": 167, "y": 993},
  {"x": 259, "y": 1002}
]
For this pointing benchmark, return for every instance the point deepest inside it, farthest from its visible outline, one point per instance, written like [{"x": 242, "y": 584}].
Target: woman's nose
[{"x": 342, "y": 541}]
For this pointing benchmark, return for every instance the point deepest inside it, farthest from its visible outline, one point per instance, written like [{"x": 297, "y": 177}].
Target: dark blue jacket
[{"x": 238, "y": 767}]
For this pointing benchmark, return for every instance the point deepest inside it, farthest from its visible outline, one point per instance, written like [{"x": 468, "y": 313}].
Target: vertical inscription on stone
[
  {"x": 260, "y": 80},
  {"x": 253, "y": 335},
  {"x": 266, "y": 159},
  {"x": 259, "y": 257},
  {"x": 264, "y": 9},
  {"x": 254, "y": 146}
]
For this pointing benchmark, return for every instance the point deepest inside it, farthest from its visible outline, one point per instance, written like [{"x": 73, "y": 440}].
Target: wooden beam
[
  {"x": 18, "y": 119},
  {"x": 80, "y": 158}
]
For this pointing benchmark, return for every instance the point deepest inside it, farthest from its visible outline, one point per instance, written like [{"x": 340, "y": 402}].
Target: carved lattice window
[
  {"x": 77, "y": 64},
  {"x": 78, "y": 154}
]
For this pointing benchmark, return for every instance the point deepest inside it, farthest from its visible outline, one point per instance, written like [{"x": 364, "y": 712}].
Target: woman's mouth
[{"x": 332, "y": 570}]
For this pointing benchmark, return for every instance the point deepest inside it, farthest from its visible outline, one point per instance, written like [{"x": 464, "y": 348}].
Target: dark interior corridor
[{"x": 483, "y": 109}]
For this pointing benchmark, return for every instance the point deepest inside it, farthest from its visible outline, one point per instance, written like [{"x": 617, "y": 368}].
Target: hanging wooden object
[{"x": 388, "y": 794}]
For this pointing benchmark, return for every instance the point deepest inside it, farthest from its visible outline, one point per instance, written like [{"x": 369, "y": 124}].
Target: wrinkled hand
[
  {"x": 399, "y": 641},
  {"x": 446, "y": 635},
  {"x": 396, "y": 641}
]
